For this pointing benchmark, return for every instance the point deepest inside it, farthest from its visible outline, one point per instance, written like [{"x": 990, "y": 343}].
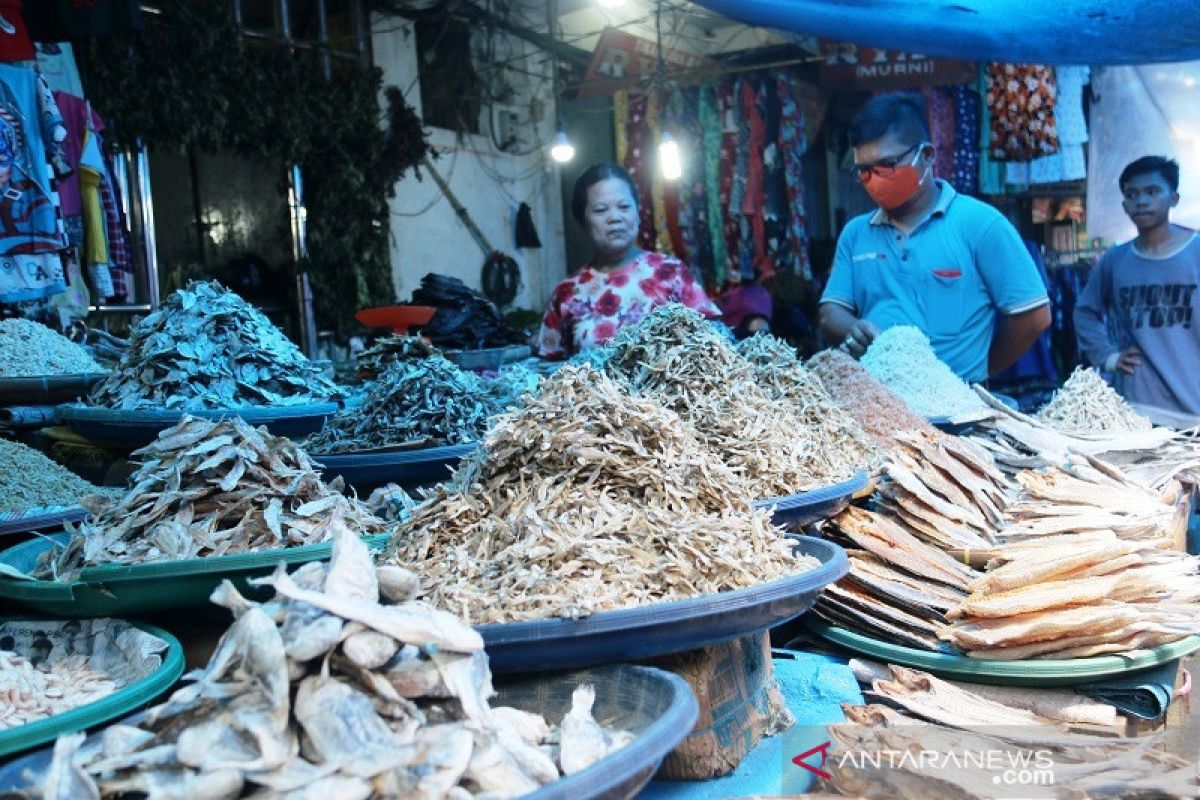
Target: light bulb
[
  {"x": 611, "y": 3},
  {"x": 669, "y": 160},
  {"x": 561, "y": 150}
]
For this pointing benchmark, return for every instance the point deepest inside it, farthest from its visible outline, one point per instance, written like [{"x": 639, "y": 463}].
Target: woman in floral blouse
[{"x": 623, "y": 282}]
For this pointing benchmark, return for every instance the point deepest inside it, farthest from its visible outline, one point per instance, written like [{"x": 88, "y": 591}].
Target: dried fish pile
[
  {"x": 341, "y": 686},
  {"x": 588, "y": 499},
  {"x": 30, "y": 480},
  {"x": 29, "y": 348},
  {"x": 207, "y": 488},
  {"x": 1077, "y": 596},
  {"x": 208, "y": 348},
  {"x": 902, "y": 359},
  {"x": 677, "y": 357},
  {"x": 1088, "y": 495},
  {"x": 899, "y": 588},
  {"x": 29, "y": 693},
  {"x": 423, "y": 402},
  {"x": 945, "y": 491},
  {"x": 782, "y": 376},
  {"x": 384, "y": 351},
  {"x": 512, "y": 383},
  {"x": 880, "y": 412},
  {"x": 1087, "y": 404}
]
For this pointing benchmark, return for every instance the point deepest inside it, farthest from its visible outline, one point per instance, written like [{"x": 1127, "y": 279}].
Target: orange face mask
[{"x": 897, "y": 187}]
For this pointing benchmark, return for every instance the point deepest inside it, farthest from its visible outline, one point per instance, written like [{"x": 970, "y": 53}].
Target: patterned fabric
[
  {"x": 693, "y": 212},
  {"x": 587, "y": 309},
  {"x": 639, "y": 167},
  {"x": 673, "y": 191},
  {"x": 710, "y": 124},
  {"x": 1022, "y": 101},
  {"x": 1068, "y": 164},
  {"x": 662, "y": 239},
  {"x": 729, "y": 145},
  {"x": 752, "y": 204},
  {"x": 965, "y": 176},
  {"x": 793, "y": 142},
  {"x": 942, "y": 126},
  {"x": 621, "y": 124},
  {"x": 991, "y": 172}
]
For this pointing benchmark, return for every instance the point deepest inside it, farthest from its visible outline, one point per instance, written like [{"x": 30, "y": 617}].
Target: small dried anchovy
[
  {"x": 1086, "y": 404},
  {"x": 208, "y": 488},
  {"x": 30, "y": 480},
  {"x": 375, "y": 359},
  {"x": 419, "y": 402},
  {"x": 208, "y": 348},
  {"x": 29, "y": 348}
]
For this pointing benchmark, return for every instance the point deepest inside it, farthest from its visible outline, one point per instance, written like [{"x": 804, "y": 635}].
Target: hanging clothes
[
  {"x": 639, "y": 166},
  {"x": 1068, "y": 164},
  {"x": 793, "y": 143},
  {"x": 941, "y": 128},
  {"x": 56, "y": 62},
  {"x": 621, "y": 125},
  {"x": 1022, "y": 100},
  {"x": 658, "y": 204},
  {"x": 991, "y": 172},
  {"x": 730, "y": 137},
  {"x": 754, "y": 204},
  {"x": 58, "y": 20},
  {"x": 710, "y": 124},
  {"x": 965, "y": 175},
  {"x": 15, "y": 44}
]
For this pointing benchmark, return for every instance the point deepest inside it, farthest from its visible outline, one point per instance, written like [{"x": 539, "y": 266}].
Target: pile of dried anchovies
[
  {"x": 376, "y": 358},
  {"x": 678, "y": 358},
  {"x": 29, "y": 480},
  {"x": 879, "y": 410},
  {"x": 29, "y": 348},
  {"x": 845, "y": 445},
  {"x": 418, "y": 402},
  {"x": 29, "y": 693},
  {"x": 1086, "y": 404},
  {"x": 209, "y": 489},
  {"x": 588, "y": 499},
  {"x": 208, "y": 348},
  {"x": 902, "y": 359},
  {"x": 341, "y": 686}
]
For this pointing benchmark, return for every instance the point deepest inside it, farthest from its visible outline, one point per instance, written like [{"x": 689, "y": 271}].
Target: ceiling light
[
  {"x": 669, "y": 160},
  {"x": 611, "y": 3},
  {"x": 561, "y": 149}
]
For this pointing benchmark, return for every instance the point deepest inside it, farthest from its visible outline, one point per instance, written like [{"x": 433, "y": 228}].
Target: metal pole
[
  {"x": 149, "y": 240},
  {"x": 308, "y": 322},
  {"x": 298, "y": 213},
  {"x": 323, "y": 39}
]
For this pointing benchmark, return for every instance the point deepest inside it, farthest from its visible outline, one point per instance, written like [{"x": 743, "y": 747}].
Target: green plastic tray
[
  {"x": 120, "y": 590},
  {"x": 118, "y": 704},
  {"x": 1033, "y": 672}
]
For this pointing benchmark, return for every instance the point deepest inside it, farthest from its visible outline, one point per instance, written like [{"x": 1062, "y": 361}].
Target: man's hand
[
  {"x": 861, "y": 334},
  {"x": 1129, "y": 360}
]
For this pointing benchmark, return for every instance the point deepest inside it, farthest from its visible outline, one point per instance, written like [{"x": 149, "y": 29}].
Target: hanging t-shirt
[
  {"x": 15, "y": 44},
  {"x": 29, "y": 121},
  {"x": 56, "y": 20},
  {"x": 56, "y": 62},
  {"x": 1022, "y": 101}
]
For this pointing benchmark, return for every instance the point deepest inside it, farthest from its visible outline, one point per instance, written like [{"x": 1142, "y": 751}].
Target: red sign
[
  {"x": 621, "y": 58},
  {"x": 852, "y": 66}
]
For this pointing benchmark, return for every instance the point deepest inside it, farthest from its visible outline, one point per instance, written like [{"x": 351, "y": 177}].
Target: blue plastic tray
[
  {"x": 40, "y": 519},
  {"x": 656, "y": 706},
  {"x": 815, "y": 505},
  {"x": 131, "y": 429},
  {"x": 1032, "y": 672},
  {"x": 408, "y": 468},
  {"x": 638, "y": 633}
]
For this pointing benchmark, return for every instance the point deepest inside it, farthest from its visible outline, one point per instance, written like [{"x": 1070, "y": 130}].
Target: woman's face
[{"x": 611, "y": 216}]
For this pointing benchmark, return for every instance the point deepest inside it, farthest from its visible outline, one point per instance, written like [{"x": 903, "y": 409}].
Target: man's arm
[
  {"x": 839, "y": 327},
  {"x": 1091, "y": 310},
  {"x": 1016, "y": 334}
]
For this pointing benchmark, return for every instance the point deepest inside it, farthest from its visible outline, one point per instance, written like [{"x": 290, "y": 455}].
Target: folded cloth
[{"x": 1146, "y": 695}]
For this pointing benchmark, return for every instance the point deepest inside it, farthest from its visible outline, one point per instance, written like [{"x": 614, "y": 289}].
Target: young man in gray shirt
[{"x": 1147, "y": 289}]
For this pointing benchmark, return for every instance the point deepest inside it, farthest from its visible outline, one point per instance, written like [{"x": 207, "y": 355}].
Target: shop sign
[
  {"x": 621, "y": 59},
  {"x": 852, "y": 66}
]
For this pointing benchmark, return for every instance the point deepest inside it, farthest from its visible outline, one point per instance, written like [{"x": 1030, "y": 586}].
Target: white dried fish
[{"x": 1086, "y": 404}]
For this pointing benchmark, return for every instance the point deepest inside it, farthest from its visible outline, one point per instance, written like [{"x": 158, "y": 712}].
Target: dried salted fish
[
  {"x": 383, "y": 352},
  {"x": 208, "y": 488},
  {"x": 584, "y": 500},
  {"x": 677, "y": 357},
  {"x": 29, "y": 348},
  {"x": 902, "y": 359},
  {"x": 254, "y": 723},
  {"x": 414, "y": 402},
  {"x": 1087, "y": 404},
  {"x": 206, "y": 347}
]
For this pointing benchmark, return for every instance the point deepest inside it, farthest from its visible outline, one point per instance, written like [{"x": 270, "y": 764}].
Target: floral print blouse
[{"x": 588, "y": 308}]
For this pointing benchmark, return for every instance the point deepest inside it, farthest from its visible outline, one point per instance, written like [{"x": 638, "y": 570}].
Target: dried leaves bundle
[
  {"x": 208, "y": 348},
  {"x": 588, "y": 499},
  {"x": 781, "y": 375},
  {"x": 30, "y": 480},
  {"x": 418, "y": 402},
  {"x": 902, "y": 359},
  {"x": 880, "y": 412},
  {"x": 208, "y": 488},
  {"x": 341, "y": 686},
  {"x": 1086, "y": 404},
  {"x": 28, "y": 348},
  {"x": 676, "y": 357}
]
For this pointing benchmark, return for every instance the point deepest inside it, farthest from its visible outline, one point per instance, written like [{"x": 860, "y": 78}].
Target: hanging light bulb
[
  {"x": 611, "y": 3},
  {"x": 561, "y": 149},
  {"x": 669, "y": 160}
]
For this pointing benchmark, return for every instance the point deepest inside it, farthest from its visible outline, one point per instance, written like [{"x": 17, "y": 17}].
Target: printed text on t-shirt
[{"x": 1157, "y": 305}]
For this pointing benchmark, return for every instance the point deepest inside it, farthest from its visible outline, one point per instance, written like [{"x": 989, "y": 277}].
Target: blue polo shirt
[{"x": 950, "y": 276}]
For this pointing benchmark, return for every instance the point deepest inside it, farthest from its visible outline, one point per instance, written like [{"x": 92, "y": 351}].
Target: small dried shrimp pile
[
  {"x": 1086, "y": 404},
  {"x": 676, "y": 357},
  {"x": 210, "y": 489},
  {"x": 845, "y": 445},
  {"x": 341, "y": 686},
  {"x": 29, "y": 693},
  {"x": 588, "y": 499},
  {"x": 879, "y": 410}
]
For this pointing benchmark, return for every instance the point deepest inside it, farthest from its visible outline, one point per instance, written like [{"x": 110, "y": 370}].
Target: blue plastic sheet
[
  {"x": 1014, "y": 31},
  {"x": 813, "y": 687}
]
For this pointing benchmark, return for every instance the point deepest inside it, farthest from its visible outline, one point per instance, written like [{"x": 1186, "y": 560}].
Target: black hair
[
  {"x": 1148, "y": 165},
  {"x": 590, "y": 177},
  {"x": 901, "y": 114}
]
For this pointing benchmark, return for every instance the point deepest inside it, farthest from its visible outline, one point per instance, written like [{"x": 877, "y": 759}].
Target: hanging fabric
[
  {"x": 730, "y": 137},
  {"x": 1068, "y": 164},
  {"x": 710, "y": 123},
  {"x": 1021, "y": 99},
  {"x": 662, "y": 239},
  {"x": 793, "y": 142},
  {"x": 95, "y": 238},
  {"x": 621, "y": 124},
  {"x": 56, "y": 62},
  {"x": 15, "y": 44},
  {"x": 965, "y": 175},
  {"x": 639, "y": 166},
  {"x": 991, "y": 172}
]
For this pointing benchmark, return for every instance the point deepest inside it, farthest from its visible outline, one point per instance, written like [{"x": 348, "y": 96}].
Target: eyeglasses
[{"x": 885, "y": 167}]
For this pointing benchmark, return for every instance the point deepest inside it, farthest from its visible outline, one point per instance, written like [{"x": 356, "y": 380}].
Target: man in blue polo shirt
[{"x": 929, "y": 257}]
